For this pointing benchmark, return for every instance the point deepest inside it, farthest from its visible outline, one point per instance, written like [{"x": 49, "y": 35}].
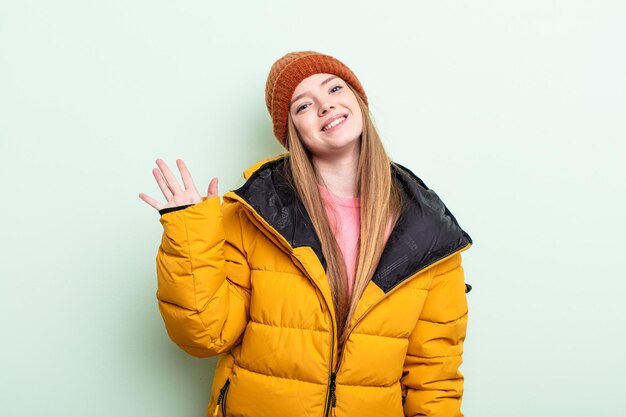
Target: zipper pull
[
  {"x": 219, "y": 398},
  {"x": 333, "y": 395}
]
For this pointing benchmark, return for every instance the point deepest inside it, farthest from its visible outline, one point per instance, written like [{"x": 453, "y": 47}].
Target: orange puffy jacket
[{"x": 245, "y": 280}]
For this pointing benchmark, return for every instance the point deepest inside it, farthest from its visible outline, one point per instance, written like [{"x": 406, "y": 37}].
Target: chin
[{"x": 344, "y": 143}]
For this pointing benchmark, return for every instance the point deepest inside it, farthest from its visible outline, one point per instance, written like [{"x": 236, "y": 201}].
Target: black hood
[{"x": 425, "y": 232}]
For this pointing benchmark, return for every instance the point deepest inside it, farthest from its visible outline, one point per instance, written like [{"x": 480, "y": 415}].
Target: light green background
[{"x": 514, "y": 112}]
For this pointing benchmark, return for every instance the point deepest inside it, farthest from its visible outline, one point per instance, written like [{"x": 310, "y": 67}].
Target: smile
[{"x": 334, "y": 124}]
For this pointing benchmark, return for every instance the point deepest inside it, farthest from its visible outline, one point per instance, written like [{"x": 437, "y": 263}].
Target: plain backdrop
[{"x": 512, "y": 111}]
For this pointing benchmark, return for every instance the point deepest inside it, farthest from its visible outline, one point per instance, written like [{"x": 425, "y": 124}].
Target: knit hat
[{"x": 285, "y": 75}]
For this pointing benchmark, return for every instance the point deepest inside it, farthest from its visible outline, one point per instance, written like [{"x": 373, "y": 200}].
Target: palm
[{"x": 175, "y": 195}]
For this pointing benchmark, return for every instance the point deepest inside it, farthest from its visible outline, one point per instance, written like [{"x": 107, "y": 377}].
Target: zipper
[
  {"x": 222, "y": 399},
  {"x": 330, "y": 392},
  {"x": 333, "y": 396}
]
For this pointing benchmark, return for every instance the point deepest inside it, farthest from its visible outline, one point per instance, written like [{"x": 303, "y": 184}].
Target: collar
[{"x": 425, "y": 233}]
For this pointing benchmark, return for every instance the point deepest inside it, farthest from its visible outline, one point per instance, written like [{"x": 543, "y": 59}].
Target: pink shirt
[{"x": 344, "y": 216}]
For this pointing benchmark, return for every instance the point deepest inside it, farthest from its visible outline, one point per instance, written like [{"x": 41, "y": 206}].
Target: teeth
[{"x": 334, "y": 123}]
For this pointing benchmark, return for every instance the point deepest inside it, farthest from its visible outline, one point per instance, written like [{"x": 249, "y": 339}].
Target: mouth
[{"x": 335, "y": 124}]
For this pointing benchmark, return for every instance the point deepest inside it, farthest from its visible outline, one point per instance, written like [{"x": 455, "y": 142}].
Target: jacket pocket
[{"x": 221, "y": 399}]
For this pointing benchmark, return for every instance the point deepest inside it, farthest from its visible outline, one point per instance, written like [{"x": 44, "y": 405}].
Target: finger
[
  {"x": 162, "y": 185},
  {"x": 150, "y": 201},
  {"x": 212, "y": 191},
  {"x": 185, "y": 175},
  {"x": 171, "y": 181}
]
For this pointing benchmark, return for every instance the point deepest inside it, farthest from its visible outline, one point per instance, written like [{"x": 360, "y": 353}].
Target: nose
[{"x": 325, "y": 108}]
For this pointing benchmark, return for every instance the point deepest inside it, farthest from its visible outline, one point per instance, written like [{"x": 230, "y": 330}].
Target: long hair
[{"x": 380, "y": 203}]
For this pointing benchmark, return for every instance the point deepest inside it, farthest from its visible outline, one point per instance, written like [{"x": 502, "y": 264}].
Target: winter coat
[{"x": 245, "y": 280}]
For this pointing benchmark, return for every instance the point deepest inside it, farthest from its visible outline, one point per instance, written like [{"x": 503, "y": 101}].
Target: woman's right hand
[{"x": 174, "y": 195}]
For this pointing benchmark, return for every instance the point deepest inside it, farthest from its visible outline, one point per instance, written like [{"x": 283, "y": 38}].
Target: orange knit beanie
[{"x": 285, "y": 75}]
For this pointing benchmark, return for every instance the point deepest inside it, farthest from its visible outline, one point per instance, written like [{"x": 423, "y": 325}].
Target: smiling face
[{"x": 326, "y": 115}]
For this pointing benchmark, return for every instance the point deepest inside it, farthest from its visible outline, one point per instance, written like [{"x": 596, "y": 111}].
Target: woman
[{"x": 331, "y": 282}]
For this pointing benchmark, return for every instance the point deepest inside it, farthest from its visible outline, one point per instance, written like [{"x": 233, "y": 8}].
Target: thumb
[{"x": 212, "y": 191}]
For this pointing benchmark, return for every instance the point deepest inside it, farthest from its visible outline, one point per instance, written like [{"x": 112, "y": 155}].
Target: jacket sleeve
[
  {"x": 203, "y": 278},
  {"x": 431, "y": 380}
]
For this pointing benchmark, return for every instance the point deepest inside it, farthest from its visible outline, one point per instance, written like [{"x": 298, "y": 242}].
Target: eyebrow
[{"x": 299, "y": 96}]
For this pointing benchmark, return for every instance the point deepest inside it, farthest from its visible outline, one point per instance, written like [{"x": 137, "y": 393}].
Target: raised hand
[{"x": 174, "y": 195}]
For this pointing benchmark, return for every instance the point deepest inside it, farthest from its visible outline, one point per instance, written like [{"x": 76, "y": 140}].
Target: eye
[
  {"x": 337, "y": 86},
  {"x": 301, "y": 107}
]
